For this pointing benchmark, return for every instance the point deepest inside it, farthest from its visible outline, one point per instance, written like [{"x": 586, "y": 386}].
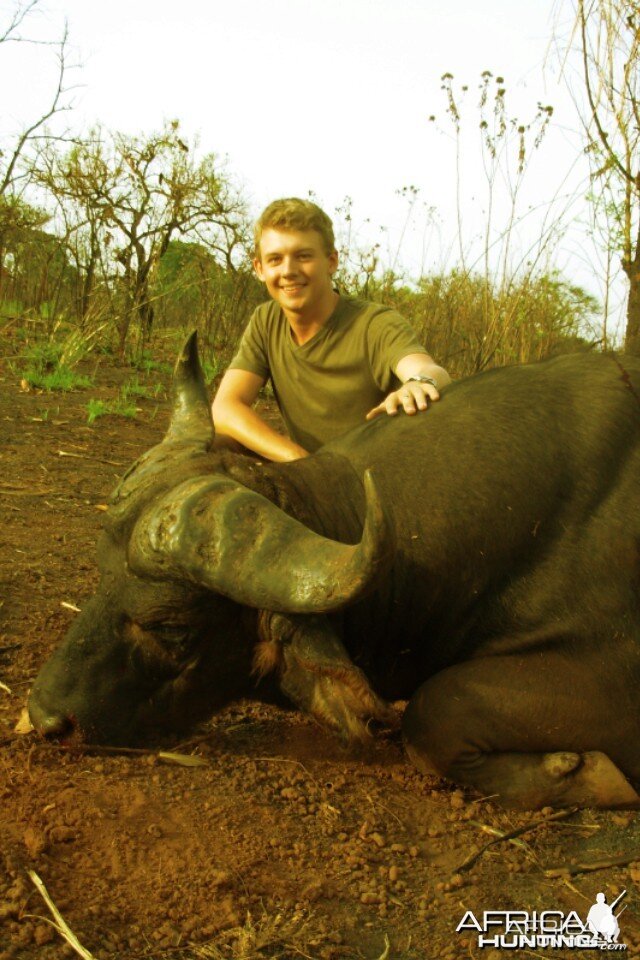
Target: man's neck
[{"x": 305, "y": 325}]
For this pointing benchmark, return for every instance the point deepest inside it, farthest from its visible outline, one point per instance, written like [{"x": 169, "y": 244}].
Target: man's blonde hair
[{"x": 291, "y": 213}]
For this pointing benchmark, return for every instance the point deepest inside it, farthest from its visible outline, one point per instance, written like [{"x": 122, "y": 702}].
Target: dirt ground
[{"x": 280, "y": 844}]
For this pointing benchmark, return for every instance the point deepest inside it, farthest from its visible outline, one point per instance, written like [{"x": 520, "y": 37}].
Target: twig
[
  {"x": 85, "y": 456},
  {"x": 194, "y": 741},
  {"x": 386, "y": 810},
  {"x": 61, "y": 926},
  {"x": 387, "y": 946},
  {"x": 533, "y": 825},
  {"x": 497, "y": 833},
  {"x": 99, "y": 748},
  {"x": 11, "y": 491},
  {"x": 573, "y": 868},
  {"x": 182, "y": 759},
  {"x": 288, "y": 760}
]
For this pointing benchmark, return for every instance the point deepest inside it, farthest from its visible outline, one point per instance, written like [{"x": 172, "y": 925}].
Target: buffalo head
[{"x": 187, "y": 557}]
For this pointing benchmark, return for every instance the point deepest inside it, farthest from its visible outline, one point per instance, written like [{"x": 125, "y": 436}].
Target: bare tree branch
[
  {"x": 56, "y": 105},
  {"x": 595, "y": 116},
  {"x": 21, "y": 13}
]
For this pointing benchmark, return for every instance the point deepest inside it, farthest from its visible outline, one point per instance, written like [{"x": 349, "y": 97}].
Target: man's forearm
[{"x": 242, "y": 423}]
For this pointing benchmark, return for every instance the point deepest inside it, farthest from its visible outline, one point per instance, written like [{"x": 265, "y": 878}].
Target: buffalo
[{"x": 481, "y": 561}]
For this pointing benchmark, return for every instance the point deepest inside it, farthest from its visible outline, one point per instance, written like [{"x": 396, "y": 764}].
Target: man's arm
[
  {"x": 234, "y": 418},
  {"x": 413, "y": 395}
]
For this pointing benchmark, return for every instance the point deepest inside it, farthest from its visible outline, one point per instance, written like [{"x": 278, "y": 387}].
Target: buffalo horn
[
  {"x": 191, "y": 417},
  {"x": 224, "y": 537}
]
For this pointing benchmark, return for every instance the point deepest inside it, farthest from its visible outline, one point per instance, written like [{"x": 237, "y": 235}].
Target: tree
[
  {"x": 124, "y": 199},
  {"x": 20, "y": 236},
  {"x": 12, "y": 152},
  {"x": 609, "y": 39},
  {"x": 16, "y": 219}
]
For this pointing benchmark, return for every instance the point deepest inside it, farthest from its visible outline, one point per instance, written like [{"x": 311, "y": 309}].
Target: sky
[{"x": 334, "y": 98}]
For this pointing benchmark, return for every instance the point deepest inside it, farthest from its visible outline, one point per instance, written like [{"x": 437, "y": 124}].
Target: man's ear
[
  {"x": 257, "y": 266},
  {"x": 333, "y": 262}
]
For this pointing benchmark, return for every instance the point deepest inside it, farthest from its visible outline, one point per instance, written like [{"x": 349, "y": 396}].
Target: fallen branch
[
  {"x": 533, "y": 825},
  {"x": 60, "y": 924},
  {"x": 572, "y": 869}
]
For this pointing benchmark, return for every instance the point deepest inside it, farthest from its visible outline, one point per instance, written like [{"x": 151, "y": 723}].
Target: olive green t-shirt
[{"x": 325, "y": 386}]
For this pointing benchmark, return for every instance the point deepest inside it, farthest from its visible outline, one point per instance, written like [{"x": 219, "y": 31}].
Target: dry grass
[{"x": 279, "y": 937}]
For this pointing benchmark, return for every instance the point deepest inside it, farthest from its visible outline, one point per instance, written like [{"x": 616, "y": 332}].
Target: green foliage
[
  {"x": 121, "y": 406},
  {"x": 95, "y": 409},
  {"x": 44, "y": 371},
  {"x": 10, "y": 308},
  {"x": 43, "y": 356},
  {"x": 193, "y": 289},
  {"x": 62, "y": 378},
  {"x": 146, "y": 364},
  {"x": 470, "y": 325},
  {"x": 211, "y": 368},
  {"x": 139, "y": 390}
]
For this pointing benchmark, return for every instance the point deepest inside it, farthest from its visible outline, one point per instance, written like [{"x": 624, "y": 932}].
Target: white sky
[{"x": 329, "y": 96}]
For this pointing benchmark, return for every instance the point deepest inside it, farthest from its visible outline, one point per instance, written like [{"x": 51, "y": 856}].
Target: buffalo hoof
[{"x": 592, "y": 781}]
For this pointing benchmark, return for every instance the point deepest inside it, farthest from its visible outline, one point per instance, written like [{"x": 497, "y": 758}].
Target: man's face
[{"x": 296, "y": 269}]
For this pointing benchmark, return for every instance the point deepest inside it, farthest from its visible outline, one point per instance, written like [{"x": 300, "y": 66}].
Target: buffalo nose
[
  {"x": 57, "y": 726},
  {"x": 51, "y": 724}
]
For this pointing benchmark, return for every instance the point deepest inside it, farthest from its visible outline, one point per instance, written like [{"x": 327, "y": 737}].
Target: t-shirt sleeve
[
  {"x": 390, "y": 338},
  {"x": 252, "y": 354}
]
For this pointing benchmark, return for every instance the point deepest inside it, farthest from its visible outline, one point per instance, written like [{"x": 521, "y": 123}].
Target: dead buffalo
[{"x": 487, "y": 569}]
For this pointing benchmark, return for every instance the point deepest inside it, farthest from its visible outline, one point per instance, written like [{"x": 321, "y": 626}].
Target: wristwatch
[{"x": 419, "y": 378}]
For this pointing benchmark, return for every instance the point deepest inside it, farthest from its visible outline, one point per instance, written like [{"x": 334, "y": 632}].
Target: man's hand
[{"x": 411, "y": 397}]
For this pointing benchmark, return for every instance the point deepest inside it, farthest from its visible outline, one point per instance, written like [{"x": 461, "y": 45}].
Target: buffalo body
[{"x": 481, "y": 560}]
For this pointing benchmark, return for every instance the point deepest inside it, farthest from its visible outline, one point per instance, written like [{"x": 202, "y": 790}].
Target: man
[{"x": 333, "y": 362}]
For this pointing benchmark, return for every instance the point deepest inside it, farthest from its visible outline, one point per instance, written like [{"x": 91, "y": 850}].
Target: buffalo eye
[
  {"x": 159, "y": 641},
  {"x": 174, "y": 633}
]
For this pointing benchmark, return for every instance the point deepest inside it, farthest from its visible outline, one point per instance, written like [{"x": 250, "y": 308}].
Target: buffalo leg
[
  {"x": 317, "y": 673},
  {"x": 531, "y": 731}
]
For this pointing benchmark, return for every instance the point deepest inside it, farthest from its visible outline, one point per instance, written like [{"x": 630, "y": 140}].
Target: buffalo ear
[{"x": 191, "y": 418}]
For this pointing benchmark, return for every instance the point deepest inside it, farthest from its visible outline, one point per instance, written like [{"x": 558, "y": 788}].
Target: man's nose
[{"x": 289, "y": 266}]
